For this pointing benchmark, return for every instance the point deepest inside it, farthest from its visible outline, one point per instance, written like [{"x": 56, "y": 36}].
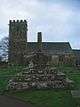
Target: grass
[
  {"x": 6, "y": 74},
  {"x": 10, "y": 70},
  {"x": 73, "y": 74},
  {"x": 45, "y": 98},
  {"x": 76, "y": 79}
]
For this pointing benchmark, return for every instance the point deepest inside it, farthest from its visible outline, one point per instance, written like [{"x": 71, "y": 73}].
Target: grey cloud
[{"x": 57, "y": 21}]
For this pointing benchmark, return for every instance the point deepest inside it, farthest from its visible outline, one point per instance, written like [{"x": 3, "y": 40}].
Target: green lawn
[
  {"x": 73, "y": 74},
  {"x": 6, "y": 74},
  {"x": 45, "y": 98},
  {"x": 10, "y": 70}
]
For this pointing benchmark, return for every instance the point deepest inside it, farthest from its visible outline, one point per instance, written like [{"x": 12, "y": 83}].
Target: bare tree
[{"x": 4, "y": 45}]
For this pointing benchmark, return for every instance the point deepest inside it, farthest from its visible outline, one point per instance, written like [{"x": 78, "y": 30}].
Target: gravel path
[{"x": 8, "y": 102}]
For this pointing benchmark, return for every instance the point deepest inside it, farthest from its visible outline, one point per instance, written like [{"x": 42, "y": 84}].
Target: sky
[{"x": 58, "y": 20}]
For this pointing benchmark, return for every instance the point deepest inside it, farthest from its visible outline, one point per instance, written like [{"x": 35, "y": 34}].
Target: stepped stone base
[{"x": 39, "y": 80}]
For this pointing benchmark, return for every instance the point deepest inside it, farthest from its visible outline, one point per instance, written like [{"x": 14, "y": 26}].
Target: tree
[{"x": 4, "y": 45}]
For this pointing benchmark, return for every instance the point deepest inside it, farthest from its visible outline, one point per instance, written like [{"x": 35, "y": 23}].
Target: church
[{"x": 19, "y": 47}]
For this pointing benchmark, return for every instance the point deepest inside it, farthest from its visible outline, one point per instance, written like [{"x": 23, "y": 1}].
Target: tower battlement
[
  {"x": 17, "y": 21},
  {"x": 20, "y": 24}
]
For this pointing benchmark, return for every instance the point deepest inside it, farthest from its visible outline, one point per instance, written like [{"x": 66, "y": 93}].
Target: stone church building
[{"x": 19, "y": 48}]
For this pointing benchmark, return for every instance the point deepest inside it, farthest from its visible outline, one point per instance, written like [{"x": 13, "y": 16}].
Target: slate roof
[{"x": 51, "y": 47}]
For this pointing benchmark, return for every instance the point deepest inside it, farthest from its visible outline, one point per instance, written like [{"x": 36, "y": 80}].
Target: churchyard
[{"x": 50, "y": 77}]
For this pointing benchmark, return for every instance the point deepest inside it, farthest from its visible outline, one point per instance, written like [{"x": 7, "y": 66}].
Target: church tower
[{"x": 17, "y": 41}]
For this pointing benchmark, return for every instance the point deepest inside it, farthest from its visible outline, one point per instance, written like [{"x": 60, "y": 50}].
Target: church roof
[{"x": 51, "y": 47}]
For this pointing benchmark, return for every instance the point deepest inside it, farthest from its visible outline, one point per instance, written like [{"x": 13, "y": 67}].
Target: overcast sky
[{"x": 58, "y": 20}]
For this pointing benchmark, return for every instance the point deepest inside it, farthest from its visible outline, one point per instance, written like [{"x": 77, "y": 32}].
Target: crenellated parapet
[{"x": 17, "y": 21}]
